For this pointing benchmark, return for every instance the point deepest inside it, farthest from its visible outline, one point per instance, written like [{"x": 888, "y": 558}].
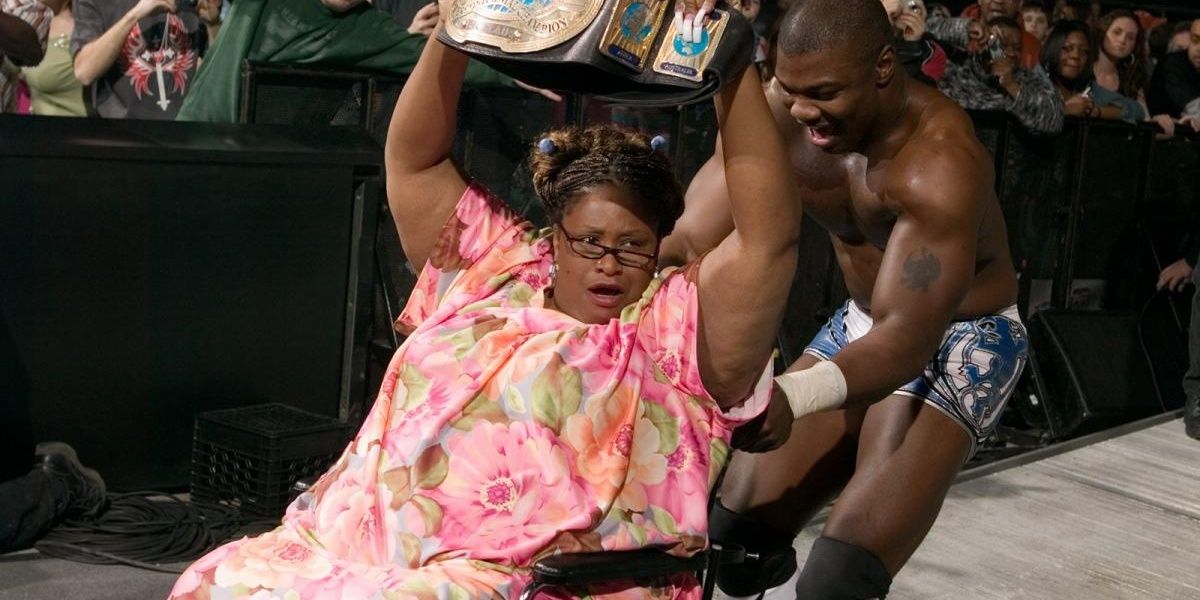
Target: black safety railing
[{"x": 1092, "y": 213}]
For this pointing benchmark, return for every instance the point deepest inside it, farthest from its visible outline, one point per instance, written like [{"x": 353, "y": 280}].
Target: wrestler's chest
[{"x": 856, "y": 216}]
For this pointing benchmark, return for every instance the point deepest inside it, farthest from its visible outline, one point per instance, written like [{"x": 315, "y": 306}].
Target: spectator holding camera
[
  {"x": 968, "y": 31},
  {"x": 922, "y": 57},
  {"x": 138, "y": 57},
  {"x": 992, "y": 79},
  {"x": 1066, "y": 57}
]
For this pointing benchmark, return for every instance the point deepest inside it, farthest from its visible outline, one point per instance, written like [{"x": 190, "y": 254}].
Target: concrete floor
[{"x": 1119, "y": 519}]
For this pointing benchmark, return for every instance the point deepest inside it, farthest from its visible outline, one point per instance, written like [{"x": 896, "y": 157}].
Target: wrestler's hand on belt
[
  {"x": 689, "y": 17},
  {"x": 767, "y": 431}
]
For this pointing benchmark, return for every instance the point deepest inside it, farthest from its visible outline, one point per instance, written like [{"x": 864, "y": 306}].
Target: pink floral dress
[{"x": 504, "y": 431}]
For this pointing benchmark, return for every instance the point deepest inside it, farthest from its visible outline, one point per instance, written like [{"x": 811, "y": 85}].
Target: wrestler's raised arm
[
  {"x": 423, "y": 184},
  {"x": 744, "y": 281}
]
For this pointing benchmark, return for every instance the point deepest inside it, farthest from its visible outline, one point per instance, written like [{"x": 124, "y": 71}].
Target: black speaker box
[{"x": 1093, "y": 370}]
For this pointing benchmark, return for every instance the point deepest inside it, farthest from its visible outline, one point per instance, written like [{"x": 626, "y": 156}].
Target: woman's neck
[
  {"x": 1106, "y": 70},
  {"x": 63, "y": 22},
  {"x": 1105, "y": 62},
  {"x": 1063, "y": 90}
]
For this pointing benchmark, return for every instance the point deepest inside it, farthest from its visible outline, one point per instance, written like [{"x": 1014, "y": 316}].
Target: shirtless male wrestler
[{"x": 894, "y": 393}]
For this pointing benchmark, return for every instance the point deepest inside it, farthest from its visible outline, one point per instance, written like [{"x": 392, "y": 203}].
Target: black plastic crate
[{"x": 250, "y": 457}]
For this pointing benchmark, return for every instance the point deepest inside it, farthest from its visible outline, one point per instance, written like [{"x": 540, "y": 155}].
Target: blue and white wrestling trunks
[{"x": 970, "y": 377}]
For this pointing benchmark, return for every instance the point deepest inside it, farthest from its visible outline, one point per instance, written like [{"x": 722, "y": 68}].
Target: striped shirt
[{"x": 1038, "y": 107}]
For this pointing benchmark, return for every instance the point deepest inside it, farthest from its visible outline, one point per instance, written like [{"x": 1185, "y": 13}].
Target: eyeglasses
[{"x": 585, "y": 247}]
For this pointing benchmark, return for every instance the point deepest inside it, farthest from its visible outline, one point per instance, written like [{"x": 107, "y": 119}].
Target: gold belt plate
[
  {"x": 688, "y": 60},
  {"x": 520, "y": 26},
  {"x": 632, "y": 28}
]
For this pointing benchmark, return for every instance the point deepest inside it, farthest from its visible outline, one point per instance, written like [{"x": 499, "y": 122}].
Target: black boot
[{"x": 85, "y": 489}]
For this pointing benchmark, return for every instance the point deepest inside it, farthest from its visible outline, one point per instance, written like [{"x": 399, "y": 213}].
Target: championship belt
[{"x": 624, "y": 51}]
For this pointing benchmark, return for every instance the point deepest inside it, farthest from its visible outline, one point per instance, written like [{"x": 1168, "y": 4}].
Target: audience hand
[
  {"x": 1193, "y": 122},
  {"x": 146, "y": 8},
  {"x": 1175, "y": 276},
  {"x": 975, "y": 33},
  {"x": 1080, "y": 106},
  {"x": 426, "y": 20},
  {"x": 1166, "y": 123},
  {"x": 769, "y": 430},
  {"x": 911, "y": 26},
  {"x": 1004, "y": 69}
]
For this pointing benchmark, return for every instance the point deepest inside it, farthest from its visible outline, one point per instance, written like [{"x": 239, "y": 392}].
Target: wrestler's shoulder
[
  {"x": 943, "y": 139},
  {"x": 941, "y": 160},
  {"x": 943, "y": 125}
]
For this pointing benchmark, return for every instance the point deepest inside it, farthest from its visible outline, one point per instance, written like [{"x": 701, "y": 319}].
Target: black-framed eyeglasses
[{"x": 586, "y": 248}]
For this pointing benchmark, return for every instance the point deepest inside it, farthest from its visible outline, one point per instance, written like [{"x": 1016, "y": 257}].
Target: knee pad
[
  {"x": 776, "y": 562},
  {"x": 836, "y": 570}
]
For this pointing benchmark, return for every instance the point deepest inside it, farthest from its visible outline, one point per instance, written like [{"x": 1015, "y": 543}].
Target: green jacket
[{"x": 303, "y": 32}]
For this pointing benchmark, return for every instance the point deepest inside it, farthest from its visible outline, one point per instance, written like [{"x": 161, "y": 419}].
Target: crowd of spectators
[{"x": 181, "y": 59}]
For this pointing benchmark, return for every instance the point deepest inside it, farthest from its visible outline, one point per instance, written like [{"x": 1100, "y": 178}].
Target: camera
[
  {"x": 188, "y": 4},
  {"x": 995, "y": 48}
]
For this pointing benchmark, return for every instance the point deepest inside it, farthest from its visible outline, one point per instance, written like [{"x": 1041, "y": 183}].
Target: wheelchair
[{"x": 571, "y": 570}]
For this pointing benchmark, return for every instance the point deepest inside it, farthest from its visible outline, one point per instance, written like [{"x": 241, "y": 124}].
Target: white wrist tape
[{"x": 821, "y": 387}]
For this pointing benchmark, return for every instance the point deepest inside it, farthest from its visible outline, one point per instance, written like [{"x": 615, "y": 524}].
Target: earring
[{"x": 553, "y": 272}]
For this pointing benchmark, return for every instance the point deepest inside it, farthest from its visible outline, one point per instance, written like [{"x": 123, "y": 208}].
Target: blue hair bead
[
  {"x": 546, "y": 146},
  {"x": 658, "y": 143}
]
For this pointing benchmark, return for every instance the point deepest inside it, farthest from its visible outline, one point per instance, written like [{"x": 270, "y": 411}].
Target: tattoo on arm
[{"x": 921, "y": 269}]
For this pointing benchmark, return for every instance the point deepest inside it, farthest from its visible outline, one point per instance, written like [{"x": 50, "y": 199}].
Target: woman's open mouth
[{"x": 606, "y": 295}]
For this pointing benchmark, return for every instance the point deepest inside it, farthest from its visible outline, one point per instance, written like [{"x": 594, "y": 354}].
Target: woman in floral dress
[{"x": 555, "y": 393}]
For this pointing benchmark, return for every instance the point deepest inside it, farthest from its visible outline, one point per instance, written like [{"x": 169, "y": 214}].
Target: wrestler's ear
[{"x": 885, "y": 66}]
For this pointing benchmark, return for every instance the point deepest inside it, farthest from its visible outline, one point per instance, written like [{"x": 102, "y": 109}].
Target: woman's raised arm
[
  {"x": 423, "y": 184},
  {"x": 744, "y": 281}
]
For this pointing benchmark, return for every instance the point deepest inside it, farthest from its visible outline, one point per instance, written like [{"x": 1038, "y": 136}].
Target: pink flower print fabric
[{"x": 503, "y": 432}]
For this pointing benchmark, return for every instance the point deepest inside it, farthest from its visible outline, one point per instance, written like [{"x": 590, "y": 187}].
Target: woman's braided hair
[{"x": 575, "y": 159}]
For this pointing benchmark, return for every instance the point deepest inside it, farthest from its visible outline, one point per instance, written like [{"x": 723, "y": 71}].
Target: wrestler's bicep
[{"x": 929, "y": 263}]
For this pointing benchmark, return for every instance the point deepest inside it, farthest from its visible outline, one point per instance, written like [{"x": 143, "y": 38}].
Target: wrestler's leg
[
  {"x": 766, "y": 499},
  {"x": 908, "y": 455}
]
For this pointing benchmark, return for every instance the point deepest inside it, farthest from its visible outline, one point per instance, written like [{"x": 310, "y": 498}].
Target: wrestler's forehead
[{"x": 806, "y": 70}]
